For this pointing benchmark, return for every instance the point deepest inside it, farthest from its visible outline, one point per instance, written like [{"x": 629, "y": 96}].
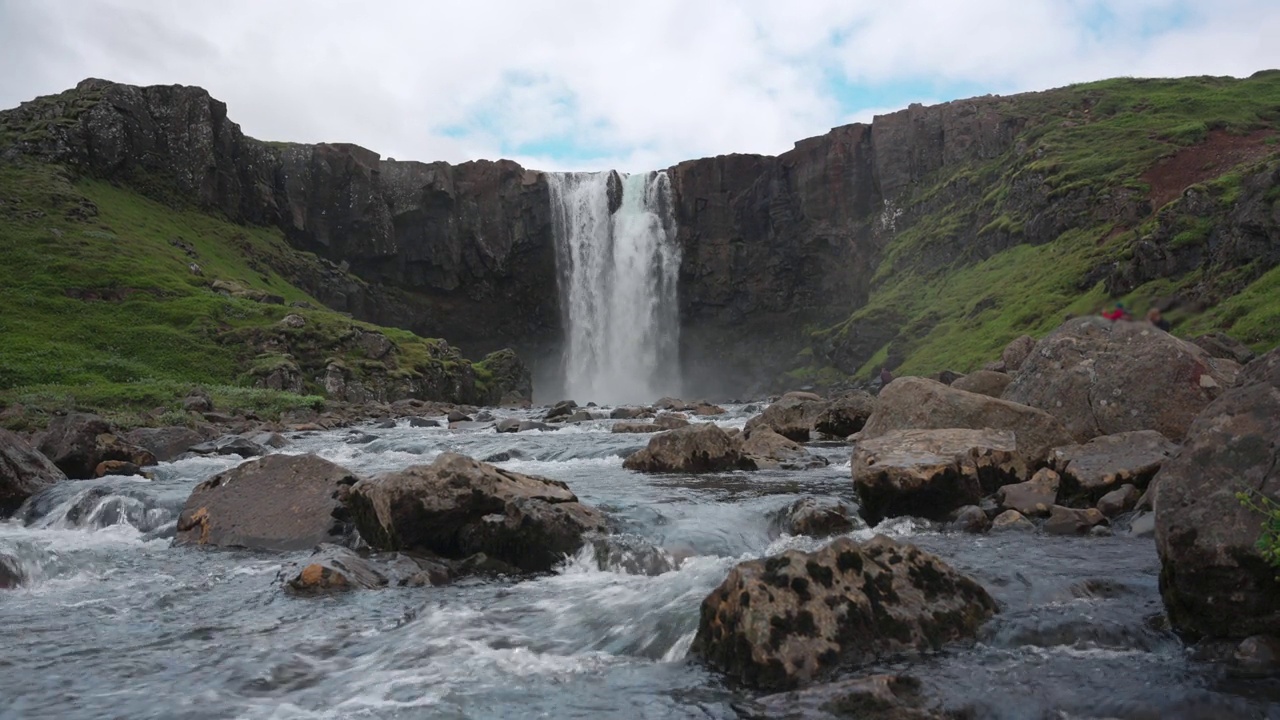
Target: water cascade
[{"x": 618, "y": 265}]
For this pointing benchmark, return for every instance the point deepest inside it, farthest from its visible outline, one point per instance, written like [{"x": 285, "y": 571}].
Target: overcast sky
[{"x": 598, "y": 84}]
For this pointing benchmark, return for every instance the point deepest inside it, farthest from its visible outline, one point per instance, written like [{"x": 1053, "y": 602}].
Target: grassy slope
[
  {"x": 155, "y": 329},
  {"x": 1095, "y": 138}
]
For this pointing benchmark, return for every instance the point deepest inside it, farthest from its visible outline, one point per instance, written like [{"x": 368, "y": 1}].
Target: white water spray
[{"x": 618, "y": 274}]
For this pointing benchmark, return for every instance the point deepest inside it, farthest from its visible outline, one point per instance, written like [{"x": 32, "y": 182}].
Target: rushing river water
[{"x": 114, "y": 623}]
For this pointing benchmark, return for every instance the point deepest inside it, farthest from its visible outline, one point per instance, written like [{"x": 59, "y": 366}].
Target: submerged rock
[
  {"x": 698, "y": 448},
  {"x": 230, "y": 445},
  {"x": 970, "y": 519},
  {"x": 23, "y": 472},
  {"x": 1103, "y": 464},
  {"x": 276, "y": 503},
  {"x": 456, "y": 507},
  {"x": 876, "y": 697},
  {"x": 1214, "y": 580},
  {"x": 784, "y": 621},
  {"x": 335, "y": 569},
  {"x": 11, "y": 575},
  {"x": 78, "y": 442},
  {"x": 792, "y": 416},
  {"x": 931, "y": 473},
  {"x": 916, "y": 403},
  {"x": 817, "y": 517}
]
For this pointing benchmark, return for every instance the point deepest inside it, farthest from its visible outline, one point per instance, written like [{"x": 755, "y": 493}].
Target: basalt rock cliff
[{"x": 927, "y": 238}]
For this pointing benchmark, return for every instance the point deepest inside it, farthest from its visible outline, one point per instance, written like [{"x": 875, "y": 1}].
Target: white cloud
[{"x": 584, "y": 84}]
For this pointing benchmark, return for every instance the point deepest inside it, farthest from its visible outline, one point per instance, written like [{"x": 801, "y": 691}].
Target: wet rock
[
  {"x": 419, "y": 422},
  {"x": 706, "y": 409},
  {"x": 631, "y": 555},
  {"x": 167, "y": 443},
  {"x": 1071, "y": 521},
  {"x": 1224, "y": 346},
  {"x": 1257, "y": 656},
  {"x": 458, "y": 416},
  {"x": 1214, "y": 581},
  {"x": 1034, "y": 497},
  {"x": 784, "y": 621},
  {"x": 1011, "y": 520},
  {"x": 11, "y": 575},
  {"x": 197, "y": 401},
  {"x": 1101, "y": 377},
  {"x": 768, "y": 449},
  {"x": 1017, "y": 352},
  {"x": 792, "y": 416},
  {"x": 818, "y": 517},
  {"x": 275, "y": 503},
  {"x": 876, "y": 697},
  {"x": 931, "y": 473},
  {"x": 267, "y": 439},
  {"x": 77, "y": 442},
  {"x": 970, "y": 519},
  {"x": 984, "y": 382},
  {"x": 845, "y": 415},
  {"x": 1119, "y": 501},
  {"x": 635, "y": 427},
  {"x": 230, "y": 445},
  {"x": 484, "y": 416},
  {"x": 1143, "y": 525},
  {"x": 386, "y": 424},
  {"x": 507, "y": 425},
  {"x": 527, "y": 425},
  {"x": 336, "y": 569},
  {"x": 630, "y": 413},
  {"x": 23, "y": 472},
  {"x": 694, "y": 449},
  {"x": 564, "y": 408},
  {"x": 506, "y": 455},
  {"x": 116, "y": 467},
  {"x": 580, "y": 416},
  {"x": 1103, "y": 464},
  {"x": 456, "y": 507},
  {"x": 916, "y": 403},
  {"x": 360, "y": 438}
]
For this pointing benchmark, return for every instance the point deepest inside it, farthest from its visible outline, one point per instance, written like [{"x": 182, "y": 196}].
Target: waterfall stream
[{"x": 618, "y": 272}]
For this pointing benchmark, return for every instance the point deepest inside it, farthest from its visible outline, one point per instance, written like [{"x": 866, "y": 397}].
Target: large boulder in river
[
  {"x": 23, "y": 472},
  {"x": 931, "y": 473},
  {"x": 1102, "y": 377},
  {"x": 845, "y": 415},
  {"x": 698, "y": 448},
  {"x": 792, "y": 416},
  {"x": 1214, "y": 580},
  {"x": 457, "y": 507},
  {"x": 78, "y": 442},
  {"x": 276, "y": 503},
  {"x": 1093, "y": 469},
  {"x": 784, "y": 621},
  {"x": 917, "y": 403},
  {"x": 817, "y": 517},
  {"x": 167, "y": 443},
  {"x": 768, "y": 449}
]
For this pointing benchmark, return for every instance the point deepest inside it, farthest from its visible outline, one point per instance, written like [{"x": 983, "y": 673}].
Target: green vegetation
[
  {"x": 1269, "y": 540},
  {"x": 964, "y": 277}
]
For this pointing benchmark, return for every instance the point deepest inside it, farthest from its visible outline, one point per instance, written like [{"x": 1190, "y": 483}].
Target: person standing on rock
[
  {"x": 1155, "y": 318},
  {"x": 886, "y": 377}
]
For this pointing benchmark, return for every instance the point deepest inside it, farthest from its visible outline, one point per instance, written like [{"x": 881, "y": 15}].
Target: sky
[{"x": 590, "y": 85}]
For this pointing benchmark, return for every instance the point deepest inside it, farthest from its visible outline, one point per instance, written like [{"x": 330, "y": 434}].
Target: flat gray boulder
[{"x": 1095, "y": 468}]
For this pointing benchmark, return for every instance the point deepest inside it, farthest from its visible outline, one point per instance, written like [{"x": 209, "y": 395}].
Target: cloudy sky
[{"x": 578, "y": 84}]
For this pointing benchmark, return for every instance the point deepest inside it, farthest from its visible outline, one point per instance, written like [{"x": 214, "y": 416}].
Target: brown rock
[
  {"x": 877, "y": 697},
  {"x": 1070, "y": 521},
  {"x": 167, "y": 443},
  {"x": 1033, "y": 497},
  {"x": 1017, "y": 352},
  {"x": 984, "y": 382},
  {"x": 77, "y": 442},
  {"x": 1103, "y": 464},
  {"x": 1102, "y": 377},
  {"x": 116, "y": 467},
  {"x": 1220, "y": 345},
  {"x": 694, "y": 449},
  {"x": 917, "y": 403},
  {"x": 768, "y": 449},
  {"x": 845, "y": 415},
  {"x": 1119, "y": 501},
  {"x": 792, "y": 416},
  {"x": 970, "y": 519},
  {"x": 931, "y": 473},
  {"x": 276, "y": 503},
  {"x": 23, "y": 472},
  {"x": 1214, "y": 581},
  {"x": 787, "y": 620},
  {"x": 456, "y": 507},
  {"x": 818, "y": 517},
  {"x": 1011, "y": 520}
]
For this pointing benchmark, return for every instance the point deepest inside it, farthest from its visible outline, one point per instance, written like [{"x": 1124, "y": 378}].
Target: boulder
[
  {"x": 845, "y": 415},
  {"x": 527, "y": 425},
  {"x": 1017, "y": 352},
  {"x": 970, "y": 519},
  {"x": 1224, "y": 346},
  {"x": 458, "y": 416},
  {"x": 768, "y": 450},
  {"x": 167, "y": 443},
  {"x": 197, "y": 401},
  {"x": 984, "y": 382},
  {"x": 1101, "y": 377},
  {"x": 11, "y": 575},
  {"x": 507, "y": 425},
  {"x": 1093, "y": 469},
  {"x": 1119, "y": 501},
  {"x": 665, "y": 421},
  {"x": 931, "y": 473},
  {"x": 630, "y": 413},
  {"x": 1214, "y": 579},
  {"x": 333, "y": 568},
  {"x": 1071, "y": 521},
  {"x": 695, "y": 449},
  {"x": 1011, "y": 520},
  {"x": 580, "y": 416},
  {"x": 564, "y": 408},
  {"x": 792, "y": 416},
  {"x": 456, "y": 507},
  {"x": 817, "y": 517},
  {"x": 77, "y": 442},
  {"x": 911, "y": 403},
  {"x": 276, "y": 503},
  {"x": 946, "y": 377},
  {"x": 1033, "y": 497},
  {"x": 876, "y": 697},
  {"x": 230, "y": 445},
  {"x": 703, "y": 409},
  {"x": 787, "y": 620},
  {"x": 23, "y": 472},
  {"x": 116, "y": 467},
  {"x": 419, "y": 422},
  {"x": 269, "y": 439}
]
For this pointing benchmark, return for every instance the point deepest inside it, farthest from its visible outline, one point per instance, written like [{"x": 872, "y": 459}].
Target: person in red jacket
[{"x": 1117, "y": 313}]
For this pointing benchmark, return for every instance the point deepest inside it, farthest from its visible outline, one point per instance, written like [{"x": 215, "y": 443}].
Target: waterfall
[{"x": 618, "y": 265}]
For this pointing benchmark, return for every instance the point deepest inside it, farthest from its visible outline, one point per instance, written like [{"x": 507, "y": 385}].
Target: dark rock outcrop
[
  {"x": 77, "y": 443},
  {"x": 275, "y": 503},
  {"x": 1101, "y": 377},
  {"x": 457, "y": 507},
  {"x": 703, "y": 447},
  {"x": 1214, "y": 580},
  {"x": 845, "y": 415},
  {"x": 23, "y": 472},
  {"x": 793, "y": 415},
  {"x": 790, "y": 619},
  {"x": 166, "y": 443},
  {"x": 817, "y": 517}
]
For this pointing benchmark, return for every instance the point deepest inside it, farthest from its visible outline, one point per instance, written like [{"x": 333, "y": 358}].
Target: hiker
[
  {"x": 1117, "y": 313},
  {"x": 886, "y": 377},
  {"x": 1155, "y": 318}
]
